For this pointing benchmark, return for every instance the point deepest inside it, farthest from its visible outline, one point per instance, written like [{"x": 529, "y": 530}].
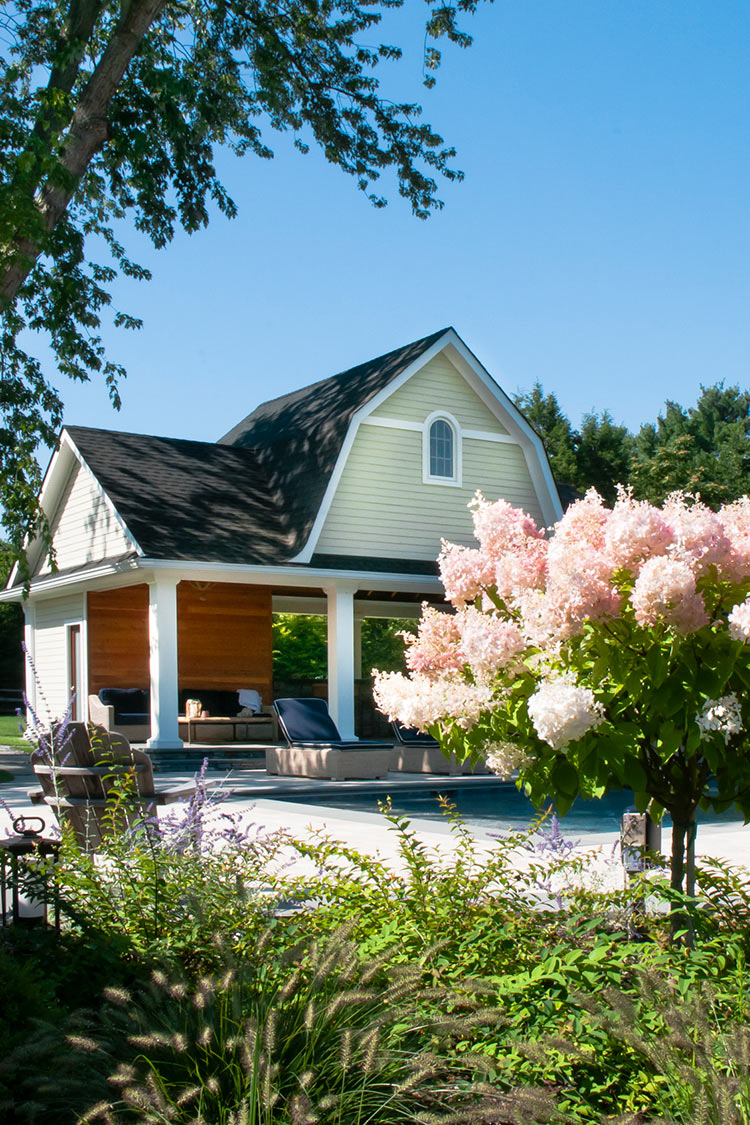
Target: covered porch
[{"x": 180, "y": 634}]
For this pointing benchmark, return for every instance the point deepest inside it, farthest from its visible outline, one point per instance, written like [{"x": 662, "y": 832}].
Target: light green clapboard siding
[
  {"x": 382, "y": 508},
  {"x": 84, "y": 528},
  {"x": 439, "y": 386}
]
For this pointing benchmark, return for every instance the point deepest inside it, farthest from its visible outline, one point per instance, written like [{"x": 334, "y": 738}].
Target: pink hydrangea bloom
[
  {"x": 735, "y": 519},
  {"x": 699, "y": 535},
  {"x": 499, "y": 525},
  {"x": 665, "y": 593},
  {"x": 488, "y": 642},
  {"x": 520, "y": 569},
  {"x": 465, "y": 572},
  {"x": 635, "y": 532},
  {"x": 436, "y": 645},
  {"x": 562, "y": 712},
  {"x": 583, "y": 525},
  {"x": 739, "y": 621}
]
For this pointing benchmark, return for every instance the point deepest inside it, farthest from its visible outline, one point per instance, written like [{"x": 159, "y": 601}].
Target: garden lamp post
[{"x": 17, "y": 855}]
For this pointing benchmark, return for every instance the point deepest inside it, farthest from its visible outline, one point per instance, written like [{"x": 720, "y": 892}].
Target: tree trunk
[
  {"x": 683, "y": 872},
  {"x": 86, "y": 135},
  {"x": 678, "y": 852}
]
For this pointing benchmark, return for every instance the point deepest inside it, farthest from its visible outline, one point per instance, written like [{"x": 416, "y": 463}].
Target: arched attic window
[{"x": 441, "y": 450}]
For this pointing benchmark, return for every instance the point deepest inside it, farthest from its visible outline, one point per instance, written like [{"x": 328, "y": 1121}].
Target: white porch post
[
  {"x": 162, "y": 640},
  {"x": 29, "y": 638},
  {"x": 341, "y": 657}
]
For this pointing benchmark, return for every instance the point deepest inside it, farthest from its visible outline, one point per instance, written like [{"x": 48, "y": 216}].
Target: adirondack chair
[{"x": 84, "y": 785}]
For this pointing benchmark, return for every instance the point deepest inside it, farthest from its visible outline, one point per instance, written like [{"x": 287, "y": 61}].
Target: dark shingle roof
[
  {"x": 297, "y": 438},
  {"x": 188, "y": 499},
  {"x": 253, "y": 496}
]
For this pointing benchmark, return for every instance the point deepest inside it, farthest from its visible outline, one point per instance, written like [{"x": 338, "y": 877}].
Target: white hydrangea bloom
[
  {"x": 503, "y": 758},
  {"x": 721, "y": 715},
  {"x": 739, "y": 621},
  {"x": 561, "y": 711}
]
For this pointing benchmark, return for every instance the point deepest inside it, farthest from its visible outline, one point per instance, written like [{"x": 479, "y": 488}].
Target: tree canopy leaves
[
  {"x": 113, "y": 113},
  {"x": 701, "y": 450}
]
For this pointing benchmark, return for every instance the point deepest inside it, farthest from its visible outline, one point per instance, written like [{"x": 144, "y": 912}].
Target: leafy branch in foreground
[{"x": 114, "y": 112}]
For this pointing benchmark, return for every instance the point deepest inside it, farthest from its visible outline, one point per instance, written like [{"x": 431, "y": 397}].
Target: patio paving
[{"x": 271, "y": 803}]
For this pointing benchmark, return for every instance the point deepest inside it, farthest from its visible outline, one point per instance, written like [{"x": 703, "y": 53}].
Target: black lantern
[{"x": 18, "y": 854}]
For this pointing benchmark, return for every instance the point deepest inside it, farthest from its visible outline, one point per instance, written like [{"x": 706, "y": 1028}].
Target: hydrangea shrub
[{"x": 612, "y": 653}]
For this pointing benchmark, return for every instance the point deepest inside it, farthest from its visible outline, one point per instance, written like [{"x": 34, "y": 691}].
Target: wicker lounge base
[
  {"x": 302, "y": 761},
  {"x": 430, "y": 759}
]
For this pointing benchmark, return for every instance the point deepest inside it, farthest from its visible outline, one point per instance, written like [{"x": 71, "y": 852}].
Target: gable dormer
[{"x": 416, "y": 454}]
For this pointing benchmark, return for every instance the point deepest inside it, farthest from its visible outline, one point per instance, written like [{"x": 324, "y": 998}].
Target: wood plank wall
[
  {"x": 117, "y": 629},
  {"x": 223, "y": 634}
]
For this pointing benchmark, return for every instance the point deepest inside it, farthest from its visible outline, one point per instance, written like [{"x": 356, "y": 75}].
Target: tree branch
[{"x": 86, "y": 135}]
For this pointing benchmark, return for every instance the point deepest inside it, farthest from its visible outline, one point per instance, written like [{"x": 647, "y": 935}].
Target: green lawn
[{"x": 10, "y": 734}]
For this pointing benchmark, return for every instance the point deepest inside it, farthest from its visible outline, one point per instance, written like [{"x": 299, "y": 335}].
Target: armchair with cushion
[{"x": 125, "y": 710}]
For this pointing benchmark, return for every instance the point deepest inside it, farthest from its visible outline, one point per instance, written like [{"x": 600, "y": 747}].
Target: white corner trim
[{"x": 427, "y": 478}]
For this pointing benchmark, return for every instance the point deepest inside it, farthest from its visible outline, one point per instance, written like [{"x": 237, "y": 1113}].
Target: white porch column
[
  {"x": 341, "y": 657},
  {"x": 29, "y": 639},
  {"x": 162, "y": 641}
]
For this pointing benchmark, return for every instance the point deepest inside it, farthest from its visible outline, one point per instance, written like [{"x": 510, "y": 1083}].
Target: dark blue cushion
[
  {"x": 410, "y": 736},
  {"x": 306, "y": 720},
  {"x": 127, "y": 701}
]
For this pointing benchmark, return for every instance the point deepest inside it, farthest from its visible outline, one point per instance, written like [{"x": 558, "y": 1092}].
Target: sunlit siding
[
  {"x": 53, "y": 615},
  {"x": 438, "y": 386},
  {"x": 84, "y": 528},
  {"x": 382, "y": 508}
]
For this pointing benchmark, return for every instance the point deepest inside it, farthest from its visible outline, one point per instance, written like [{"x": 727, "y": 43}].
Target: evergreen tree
[
  {"x": 705, "y": 449},
  {"x": 554, "y": 428}
]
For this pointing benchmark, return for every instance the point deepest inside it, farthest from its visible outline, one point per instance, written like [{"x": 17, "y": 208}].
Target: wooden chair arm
[
  {"x": 90, "y": 771},
  {"x": 169, "y": 796}
]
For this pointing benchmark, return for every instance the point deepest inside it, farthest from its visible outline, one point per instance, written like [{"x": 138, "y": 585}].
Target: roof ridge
[{"x": 300, "y": 394}]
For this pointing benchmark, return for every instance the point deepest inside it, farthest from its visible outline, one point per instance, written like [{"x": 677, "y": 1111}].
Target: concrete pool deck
[{"x": 269, "y": 802}]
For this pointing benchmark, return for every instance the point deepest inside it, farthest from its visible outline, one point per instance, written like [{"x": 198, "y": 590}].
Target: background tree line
[{"x": 700, "y": 449}]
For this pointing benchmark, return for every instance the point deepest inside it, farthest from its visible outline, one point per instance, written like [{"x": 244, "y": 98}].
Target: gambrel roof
[{"x": 298, "y": 437}]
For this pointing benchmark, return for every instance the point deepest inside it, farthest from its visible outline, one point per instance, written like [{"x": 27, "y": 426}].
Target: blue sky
[{"x": 599, "y": 243}]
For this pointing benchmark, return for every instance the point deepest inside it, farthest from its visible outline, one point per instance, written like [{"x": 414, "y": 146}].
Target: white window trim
[{"x": 447, "y": 482}]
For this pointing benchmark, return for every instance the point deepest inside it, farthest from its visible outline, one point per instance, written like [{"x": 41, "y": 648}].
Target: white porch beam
[
  {"x": 341, "y": 657},
  {"x": 162, "y": 640}
]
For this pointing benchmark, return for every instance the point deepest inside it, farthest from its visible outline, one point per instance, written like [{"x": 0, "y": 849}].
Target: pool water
[{"x": 499, "y": 808}]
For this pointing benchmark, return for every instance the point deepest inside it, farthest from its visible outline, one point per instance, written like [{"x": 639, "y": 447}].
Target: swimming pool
[{"x": 500, "y": 808}]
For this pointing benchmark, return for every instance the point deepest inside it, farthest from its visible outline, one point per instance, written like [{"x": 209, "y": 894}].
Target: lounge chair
[
  {"x": 416, "y": 752},
  {"x": 83, "y": 785},
  {"x": 316, "y": 749}
]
